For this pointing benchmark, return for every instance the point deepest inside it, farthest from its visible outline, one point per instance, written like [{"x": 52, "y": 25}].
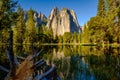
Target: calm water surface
[{"x": 74, "y": 62}]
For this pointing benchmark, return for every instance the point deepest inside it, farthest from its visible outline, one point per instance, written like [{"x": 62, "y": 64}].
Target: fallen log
[
  {"x": 24, "y": 71},
  {"x": 41, "y": 60},
  {"x": 45, "y": 74},
  {"x": 16, "y": 61},
  {"x": 39, "y": 65},
  {"x": 4, "y": 69},
  {"x": 20, "y": 57},
  {"x": 7, "y": 54},
  {"x": 36, "y": 55}
]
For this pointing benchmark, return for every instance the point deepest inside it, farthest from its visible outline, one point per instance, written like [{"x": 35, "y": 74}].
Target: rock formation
[
  {"x": 40, "y": 19},
  {"x": 63, "y": 21}
]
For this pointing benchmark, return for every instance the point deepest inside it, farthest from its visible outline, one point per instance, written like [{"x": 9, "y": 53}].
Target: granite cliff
[
  {"x": 39, "y": 18},
  {"x": 63, "y": 21}
]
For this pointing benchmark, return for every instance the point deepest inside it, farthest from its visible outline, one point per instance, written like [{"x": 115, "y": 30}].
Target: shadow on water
[{"x": 74, "y": 62}]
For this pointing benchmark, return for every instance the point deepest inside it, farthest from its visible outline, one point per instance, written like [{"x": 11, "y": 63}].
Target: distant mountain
[
  {"x": 63, "y": 21},
  {"x": 40, "y": 19}
]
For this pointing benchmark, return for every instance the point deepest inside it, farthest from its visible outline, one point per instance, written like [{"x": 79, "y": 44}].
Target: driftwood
[
  {"x": 16, "y": 61},
  {"x": 7, "y": 54},
  {"x": 4, "y": 69},
  {"x": 27, "y": 68},
  {"x": 40, "y": 64},
  {"x": 45, "y": 74},
  {"x": 37, "y": 63},
  {"x": 20, "y": 57},
  {"x": 24, "y": 71},
  {"x": 36, "y": 54}
]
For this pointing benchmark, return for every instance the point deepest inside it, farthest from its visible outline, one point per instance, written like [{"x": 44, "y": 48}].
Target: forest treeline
[
  {"x": 103, "y": 28},
  {"x": 25, "y": 31}
]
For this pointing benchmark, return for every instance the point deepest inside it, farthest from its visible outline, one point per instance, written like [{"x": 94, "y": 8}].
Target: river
[{"x": 74, "y": 62}]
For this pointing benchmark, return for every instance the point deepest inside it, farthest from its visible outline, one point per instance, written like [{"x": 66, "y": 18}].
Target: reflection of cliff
[
  {"x": 64, "y": 66},
  {"x": 58, "y": 55},
  {"x": 86, "y": 62},
  {"x": 70, "y": 66}
]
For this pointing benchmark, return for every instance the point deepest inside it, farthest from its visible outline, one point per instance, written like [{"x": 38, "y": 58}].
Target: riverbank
[{"x": 65, "y": 44}]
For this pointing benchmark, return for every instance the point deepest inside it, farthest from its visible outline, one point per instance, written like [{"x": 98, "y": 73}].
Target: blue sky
[{"x": 84, "y": 9}]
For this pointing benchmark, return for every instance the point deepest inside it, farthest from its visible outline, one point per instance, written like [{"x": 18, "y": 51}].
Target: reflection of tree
[
  {"x": 104, "y": 66},
  {"x": 67, "y": 50},
  {"x": 70, "y": 64},
  {"x": 80, "y": 70},
  {"x": 75, "y": 62}
]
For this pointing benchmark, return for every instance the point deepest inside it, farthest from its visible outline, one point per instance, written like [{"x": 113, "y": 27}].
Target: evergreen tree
[
  {"x": 67, "y": 37},
  {"x": 30, "y": 35},
  {"x": 7, "y": 18},
  {"x": 79, "y": 38},
  {"x": 101, "y": 8},
  {"x": 19, "y": 28},
  {"x": 86, "y": 34},
  {"x": 60, "y": 39},
  {"x": 103, "y": 28},
  {"x": 74, "y": 37}
]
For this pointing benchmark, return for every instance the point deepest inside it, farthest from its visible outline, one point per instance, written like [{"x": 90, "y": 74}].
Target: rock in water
[{"x": 63, "y": 21}]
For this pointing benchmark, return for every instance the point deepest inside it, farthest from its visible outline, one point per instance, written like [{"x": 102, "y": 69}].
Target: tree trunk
[{"x": 11, "y": 54}]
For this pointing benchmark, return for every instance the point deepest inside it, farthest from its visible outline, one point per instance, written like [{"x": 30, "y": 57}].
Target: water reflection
[
  {"x": 86, "y": 62},
  {"x": 74, "y": 62},
  {"x": 70, "y": 63}
]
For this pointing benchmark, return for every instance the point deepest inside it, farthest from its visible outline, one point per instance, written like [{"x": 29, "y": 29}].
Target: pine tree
[
  {"x": 60, "y": 39},
  {"x": 7, "y": 18},
  {"x": 74, "y": 37},
  {"x": 113, "y": 19},
  {"x": 19, "y": 28},
  {"x": 30, "y": 35},
  {"x": 101, "y": 8},
  {"x": 7, "y": 14},
  {"x": 67, "y": 37}
]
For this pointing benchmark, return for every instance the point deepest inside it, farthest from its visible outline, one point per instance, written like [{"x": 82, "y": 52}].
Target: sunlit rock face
[
  {"x": 63, "y": 21},
  {"x": 39, "y": 18},
  {"x": 25, "y": 16}
]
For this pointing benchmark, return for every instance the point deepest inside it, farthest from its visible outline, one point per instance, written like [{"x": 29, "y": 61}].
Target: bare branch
[
  {"x": 45, "y": 74},
  {"x": 37, "y": 54},
  {"x": 4, "y": 69},
  {"x": 20, "y": 57},
  {"x": 16, "y": 61}
]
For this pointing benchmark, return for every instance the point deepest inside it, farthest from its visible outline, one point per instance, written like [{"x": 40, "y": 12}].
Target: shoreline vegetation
[{"x": 65, "y": 44}]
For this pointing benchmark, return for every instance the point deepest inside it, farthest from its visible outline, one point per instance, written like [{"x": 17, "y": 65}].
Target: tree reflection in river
[{"x": 75, "y": 62}]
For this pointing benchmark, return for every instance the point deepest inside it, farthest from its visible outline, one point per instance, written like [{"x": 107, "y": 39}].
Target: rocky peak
[
  {"x": 54, "y": 12},
  {"x": 42, "y": 16},
  {"x": 63, "y": 21},
  {"x": 39, "y": 19}
]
